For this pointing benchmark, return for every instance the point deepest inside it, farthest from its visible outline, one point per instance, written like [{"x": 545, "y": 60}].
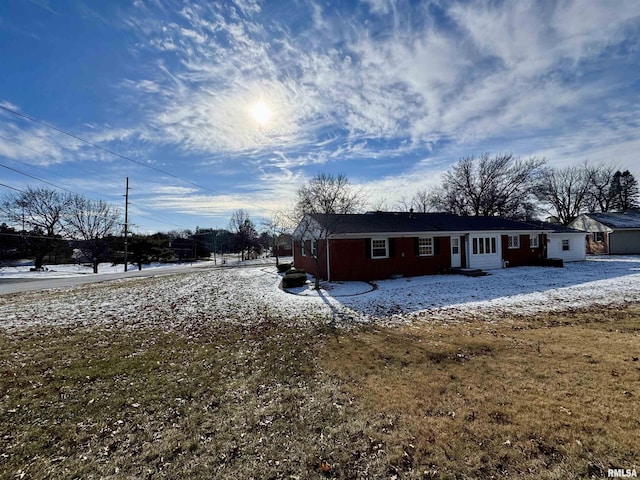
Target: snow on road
[{"x": 248, "y": 295}]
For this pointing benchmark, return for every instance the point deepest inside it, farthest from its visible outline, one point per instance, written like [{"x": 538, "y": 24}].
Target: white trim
[
  {"x": 481, "y": 259},
  {"x": 328, "y": 262},
  {"x": 431, "y": 246},
  {"x": 513, "y": 242},
  {"x": 483, "y": 243},
  {"x": 386, "y": 248},
  {"x": 456, "y": 258}
]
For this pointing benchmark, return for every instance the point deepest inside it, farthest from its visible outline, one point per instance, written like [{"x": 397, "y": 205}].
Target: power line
[
  {"x": 12, "y": 188},
  {"x": 40, "y": 237},
  {"x": 21, "y": 145},
  {"x": 104, "y": 149},
  {"x": 35, "y": 178},
  {"x": 116, "y": 154},
  {"x": 161, "y": 221},
  {"x": 57, "y": 186}
]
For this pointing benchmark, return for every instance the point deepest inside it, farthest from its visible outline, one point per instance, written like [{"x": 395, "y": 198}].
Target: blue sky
[{"x": 225, "y": 105}]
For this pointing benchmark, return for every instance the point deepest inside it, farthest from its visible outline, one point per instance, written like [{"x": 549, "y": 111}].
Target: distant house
[
  {"x": 615, "y": 233},
  {"x": 284, "y": 245},
  {"x": 564, "y": 242},
  {"x": 380, "y": 245}
]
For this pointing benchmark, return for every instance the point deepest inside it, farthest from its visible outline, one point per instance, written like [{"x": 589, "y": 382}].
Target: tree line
[
  {"x": 525, "y": 189},
  {"x": 43, "y": 223},
  {"x": 500, "y": 185}
]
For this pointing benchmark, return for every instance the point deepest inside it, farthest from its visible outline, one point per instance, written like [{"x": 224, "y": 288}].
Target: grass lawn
[{"x": 551, "y": 396}]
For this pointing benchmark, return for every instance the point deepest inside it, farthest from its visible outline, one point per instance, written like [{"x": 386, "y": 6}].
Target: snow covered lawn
[{"x": 252, "y": 294}]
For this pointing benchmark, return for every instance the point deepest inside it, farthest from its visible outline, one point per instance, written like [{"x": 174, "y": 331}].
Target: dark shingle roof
[
  {"x": 554, "y": 227},
  {"x": 628, "y": 219},
  {"x": 396, "y": 222}
]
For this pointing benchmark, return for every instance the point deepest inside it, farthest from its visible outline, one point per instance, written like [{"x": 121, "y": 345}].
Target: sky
[{"x": 209, "y": 107}]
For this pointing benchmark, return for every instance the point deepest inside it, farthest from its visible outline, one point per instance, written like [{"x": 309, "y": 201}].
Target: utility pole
[{"x": 126, "y": 224}]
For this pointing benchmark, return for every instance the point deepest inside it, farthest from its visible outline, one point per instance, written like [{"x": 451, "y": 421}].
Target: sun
[{"x": 261, "y": 113}]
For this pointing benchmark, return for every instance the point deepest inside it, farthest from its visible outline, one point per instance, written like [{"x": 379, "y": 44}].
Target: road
[{"x": 18, "y": 285}]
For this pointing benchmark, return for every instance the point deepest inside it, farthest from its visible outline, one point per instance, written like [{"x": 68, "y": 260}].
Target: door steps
[{"x": 469, "y": 272}]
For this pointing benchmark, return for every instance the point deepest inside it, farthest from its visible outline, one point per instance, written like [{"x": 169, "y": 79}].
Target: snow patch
[{"x": 252, "y": 295}]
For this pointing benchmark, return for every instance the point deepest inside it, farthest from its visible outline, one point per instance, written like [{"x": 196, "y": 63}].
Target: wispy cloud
[
  {"x": 499, "y": 66},
  {"x": 390, "y": 92}
]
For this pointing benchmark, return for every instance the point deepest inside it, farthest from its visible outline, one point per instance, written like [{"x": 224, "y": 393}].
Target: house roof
[
  {"x": 617, "y": 220},
  {"x": 555, "y": 227},
  {"x": 406, "y": 222}
]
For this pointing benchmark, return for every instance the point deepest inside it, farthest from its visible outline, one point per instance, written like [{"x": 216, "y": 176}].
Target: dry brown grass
[{"x": 554, "y": 396}]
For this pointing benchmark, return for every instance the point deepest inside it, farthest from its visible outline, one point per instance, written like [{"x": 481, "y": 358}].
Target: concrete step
[{"x": 469, "y": 272}]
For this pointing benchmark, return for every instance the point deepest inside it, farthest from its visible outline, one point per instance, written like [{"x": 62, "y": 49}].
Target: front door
[{"x": 456, "y": 258}]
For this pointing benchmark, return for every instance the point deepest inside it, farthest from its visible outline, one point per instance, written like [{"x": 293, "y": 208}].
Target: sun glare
[{"x": 261, "y": 113}]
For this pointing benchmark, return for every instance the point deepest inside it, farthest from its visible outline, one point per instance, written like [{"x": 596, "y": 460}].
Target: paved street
[{"x": 17, "y": 285}]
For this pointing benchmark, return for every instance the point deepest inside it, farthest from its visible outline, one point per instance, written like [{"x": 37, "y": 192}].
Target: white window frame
[
  {"x": 599, "y": 235},
  {"x": 533, "y": 241},
  {"x": 425, "y": 247},
  {"x": 565, "y": 241},
  {"x": 314, "y": 248},
  {"x": 455, "y": 246},
  {"x": 513, "y": 241},
  {"x": 375, "y": 247},
  {"x": 303, "y": 251},
  {"x": 484, "y": 246}
]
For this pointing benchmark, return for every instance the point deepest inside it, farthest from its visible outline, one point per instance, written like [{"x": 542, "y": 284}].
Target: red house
[{"x": 380, "y": 245}]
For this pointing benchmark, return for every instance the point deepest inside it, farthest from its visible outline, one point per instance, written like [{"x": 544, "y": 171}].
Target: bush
[
  {"x": 294, "y": 280},
  {"x": 283, "y": 267},
  {"x": 294, "y": 271}
]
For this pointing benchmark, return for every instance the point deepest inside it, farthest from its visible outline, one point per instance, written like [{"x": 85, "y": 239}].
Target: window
[
  {"x": 484, "y": 246},
  {"x": 513, "y": 241},
  {"x": 455, "y": 246},
  {"x": 533, "y": 241},
  {"x": 598, "y": 237},
  {"x": 314, "y": 248},
  {"x": 303, "y": 250},
  {"x": 379, "y": 248},
  {"x": 565, "y": 244},
  {"x": 425, "y": 246}
]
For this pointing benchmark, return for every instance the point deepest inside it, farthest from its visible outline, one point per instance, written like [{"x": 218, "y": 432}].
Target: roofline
[{"x": 431, "y": 233}]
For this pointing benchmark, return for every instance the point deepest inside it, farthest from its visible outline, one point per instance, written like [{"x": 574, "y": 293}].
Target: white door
[{"x": 456, "y": 258}]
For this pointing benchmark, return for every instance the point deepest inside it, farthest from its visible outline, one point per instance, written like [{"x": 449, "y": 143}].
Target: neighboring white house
[{"x": 615, "y": 233}]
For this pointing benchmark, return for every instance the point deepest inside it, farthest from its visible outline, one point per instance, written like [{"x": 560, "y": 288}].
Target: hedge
[
  {"x": 294, "y": 270},
  {"x": 283, "y": 267},
  {"x": 294, "y": 280}
]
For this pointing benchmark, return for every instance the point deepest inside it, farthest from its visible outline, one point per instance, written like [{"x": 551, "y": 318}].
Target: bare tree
[
  {"x": 275, "y": 227},
  {"x": 500, "y": 185},
  {"x": 565, "y": 190},
  {"x": 324, "y": 194},
  {"x": 601, "y": 196},
  {"x": 421, "y": 201},
  {"x": 244, "y": 231},
  {"x": 39, "y": 210},
  {"x": 91, "y": 222},
  {"x": 379, "y": 205}
]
